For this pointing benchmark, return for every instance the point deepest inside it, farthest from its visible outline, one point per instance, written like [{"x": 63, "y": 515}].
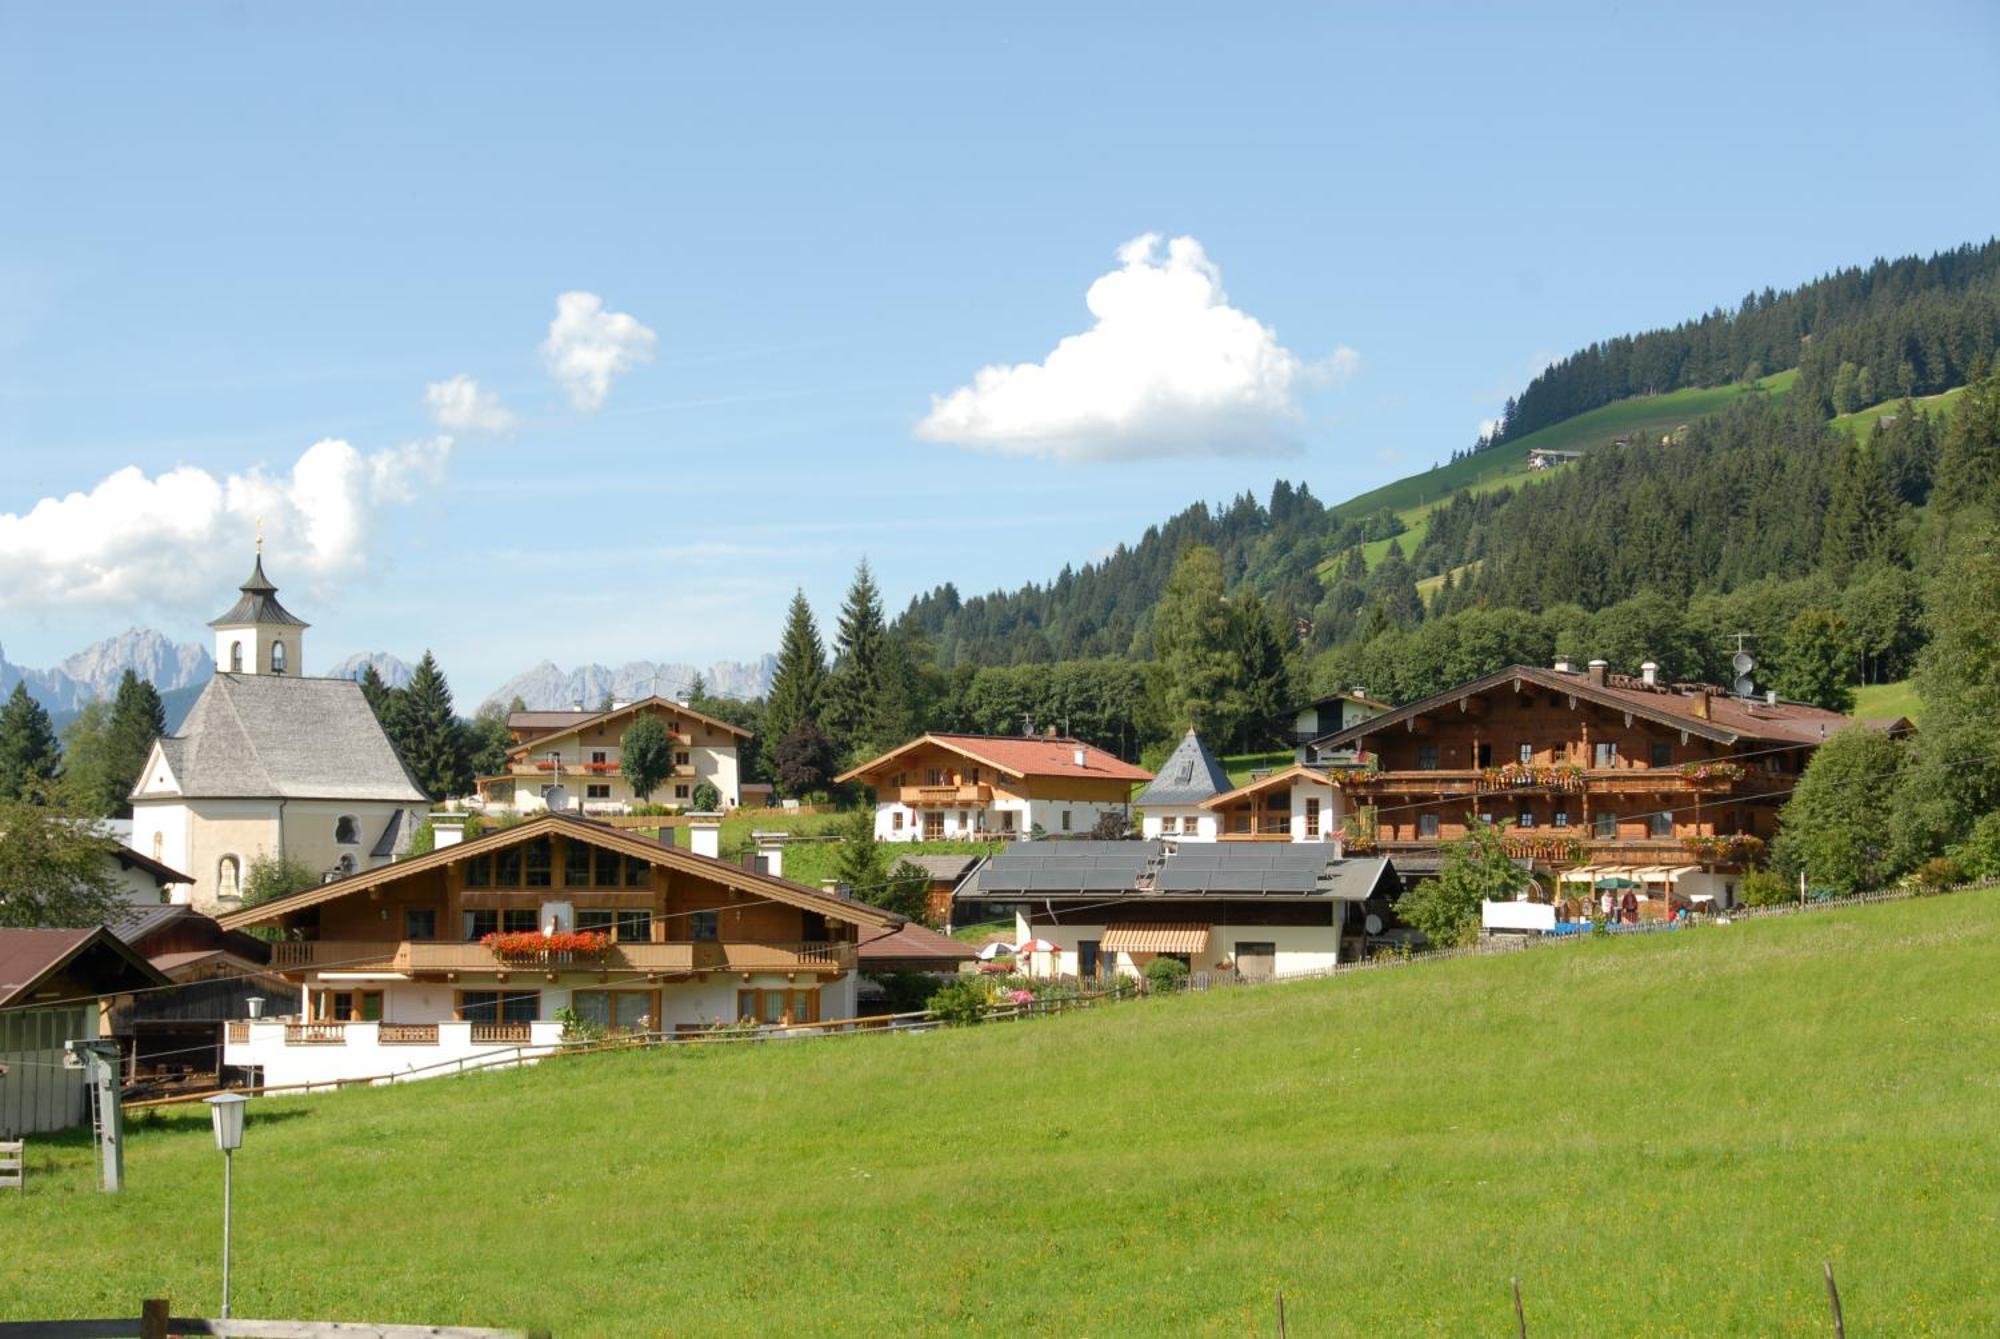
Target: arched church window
[
  {"x": 159, "y": 846},
  {"x": 346, "y": 831},
  {"x": 277, "y": 657},
  {"x": 236, "y": 657},
  {"x": 229, "y": 877}
]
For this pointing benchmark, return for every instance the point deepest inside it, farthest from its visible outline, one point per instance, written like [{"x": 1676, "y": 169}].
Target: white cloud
[
  {"x": 588, "y": 346},
  {"x": 1487, "y": 427},
  {"x": 1169, "y": 368},
  {"x": 179, "y": 537},
  {"x": 458, "y": 405}
]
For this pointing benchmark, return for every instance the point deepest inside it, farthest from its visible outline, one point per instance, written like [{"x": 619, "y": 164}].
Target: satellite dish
[
  {"x": 557, "y": 798},
  {"x": 1373, "y": 925},
  {"x": 1746, "y": 686},
  {"x": 1742, "y": 662}
]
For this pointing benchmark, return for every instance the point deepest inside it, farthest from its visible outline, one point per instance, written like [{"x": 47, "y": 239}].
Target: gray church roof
[
  {"x": 257, "y": 736},
  {"x": 258, "y": 604},
  {"x": 1190, "y": 775}
]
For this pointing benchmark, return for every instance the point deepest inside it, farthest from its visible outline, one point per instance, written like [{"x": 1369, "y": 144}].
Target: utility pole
[{"x": 99, "y": 1062}]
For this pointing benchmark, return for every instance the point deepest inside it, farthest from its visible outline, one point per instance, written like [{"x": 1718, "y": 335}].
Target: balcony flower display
[
  {"x": 1550, "y": 850},
  {"x": 1725, "y": 849},
  {"x": 538, "y": 946},
  {"x": 1553, "y": 776},
  {"x": 1712, "y": 771}
]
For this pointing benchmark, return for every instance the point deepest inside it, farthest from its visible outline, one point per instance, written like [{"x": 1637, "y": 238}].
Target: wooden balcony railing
[
  {"x": 407, "y": 1034},
  {"x": 289, "y": 954},
  {"x": 665, "y": 958},
  {"x": 236, "y": 1033},
  {"x": 315, "y": 1034},
  {"x": 502, "y": 1032},
  {"x": 944, "y": 796}
]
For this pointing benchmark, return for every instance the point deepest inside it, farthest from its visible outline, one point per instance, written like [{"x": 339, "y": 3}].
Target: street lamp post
[{"x": 226, "y": 1111}]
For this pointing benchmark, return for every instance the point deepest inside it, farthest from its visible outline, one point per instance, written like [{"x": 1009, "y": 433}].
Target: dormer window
[
  {"x": 277, "y": 657},
  {"x": 236, "y": 657}
]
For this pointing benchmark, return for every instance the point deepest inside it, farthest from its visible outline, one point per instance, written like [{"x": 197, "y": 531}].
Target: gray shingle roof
[
  {"x": 255, "y": 736},
  {"x": 258, "y": 604},
  {"x": 395, "y": 838},
  {"x": 1190, "y": 775}
]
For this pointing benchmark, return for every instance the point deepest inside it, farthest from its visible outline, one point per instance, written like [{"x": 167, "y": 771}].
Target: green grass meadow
[
  {"x": 1882, "y": 701},
  {"x": 1659, "y": 1135}
]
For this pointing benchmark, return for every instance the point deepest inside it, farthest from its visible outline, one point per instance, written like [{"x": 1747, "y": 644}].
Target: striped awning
[{"x": 1155, "y": 937}]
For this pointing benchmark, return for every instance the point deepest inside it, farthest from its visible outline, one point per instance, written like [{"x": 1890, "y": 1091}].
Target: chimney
[
  {"x": 1358, "y": 691},
  {"x": 705, "y": 835},
  {"x": 1076, "y": 755},
  {"x": 1597, "y": 672},
  {"x": 1049, "y": 732},
  {"x": 1650, "y": 673},
  {"x": 1701, "y": 704},
  {"x": 835, "y": 888},
  {"x": 577, "y": 703},
  {"x": 771, "y": 853},
  {"x": 447, "y": 829},
  {"x": 1770, "y": 697},
  {"x": 1563, "y": 665}
]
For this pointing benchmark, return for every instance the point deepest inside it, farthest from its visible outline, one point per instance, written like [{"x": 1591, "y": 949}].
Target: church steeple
[{"x": 258, "y": 635}]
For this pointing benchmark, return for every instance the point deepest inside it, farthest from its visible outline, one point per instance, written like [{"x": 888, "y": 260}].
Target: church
[{"x": 270, "y": 762}]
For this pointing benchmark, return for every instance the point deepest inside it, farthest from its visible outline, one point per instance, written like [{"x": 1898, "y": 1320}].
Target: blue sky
[{"x": 230, "y": 233}]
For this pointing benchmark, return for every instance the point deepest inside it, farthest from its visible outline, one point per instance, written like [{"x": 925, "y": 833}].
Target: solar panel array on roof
[
  {"x": 1245, "y": 869},
  {"x": 1054, "y": 867}
]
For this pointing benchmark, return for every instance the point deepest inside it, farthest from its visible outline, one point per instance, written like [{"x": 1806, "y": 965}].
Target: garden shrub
[{"x": 1166, "y": 974}]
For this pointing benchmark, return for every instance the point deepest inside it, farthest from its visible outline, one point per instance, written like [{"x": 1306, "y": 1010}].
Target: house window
[
  {"x": 934, "y": 776},
  {"x": 680, "y": 760},
  {"x": 1561, "y": 819},
  {"x": 479, "y": 872},
  {"x": 1065, "y": 820},
  {"x": 1660, "y": 824},
  {"x": 1006, "y": 820},
  {"x": 638, "y": 874},
  {"x": 1527, "y": 754},
  {"x": 896, "y": 820},
  {"x": 420, "y": 923},
  {"x": 236, "y": 657},
  {"x": 1312, "y": 817},
  {"x": 499, "y": 1006},
  {"x": 576, "y": 865},
  {"x": 229, "y": 877},
  {"x": 1169, "y": 825},
  {"x": 507, "y": 868},
  {"x": 974, "y": 778},
  {"x": 625, "y": 927},
  {"x": 608, "y": 865},
  {"x": 618, "y": 1010},
  {"x": 1663, "y": 754},
  {"x": 1603, "y": 825},
  {"x": 1427, "y": 825},
  {"x": 484, "y": 921},
  {"x": 597, "y": 790},
  {"x": 540, "y": 862},
  {"x": 277, "y": 657},
  {"x": 933, "y": 825},
  {"x": 159, "y": 845},
  {"x": 778, "y": 1006},
  {"x": 1606, "y": 753},
  {"x": 1482, "y": 755},
  {"x": 349, "y": 1006},
  {"x": 598, "y": 756},
  {"x": 346, "y": 831},
  {"x": 1525, "y": 819},
  {"x": 704, "y": 926},
  {"x": 1427, "y": 757},
  {"x": 680, "y": 792}
]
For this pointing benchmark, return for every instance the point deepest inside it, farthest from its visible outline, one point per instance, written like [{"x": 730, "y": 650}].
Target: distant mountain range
[
  {"x": 180, "y": 669},
  {"x": 549, "y": 687}
]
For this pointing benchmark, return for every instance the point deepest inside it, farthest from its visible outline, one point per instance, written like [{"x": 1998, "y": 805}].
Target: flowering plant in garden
[
  {"x": 1712, "y": 771},
  {"x": 536, "y": 943}
]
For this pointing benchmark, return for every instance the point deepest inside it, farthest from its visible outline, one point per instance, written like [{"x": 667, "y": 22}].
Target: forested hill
[{"x": 1688, "y": 513}]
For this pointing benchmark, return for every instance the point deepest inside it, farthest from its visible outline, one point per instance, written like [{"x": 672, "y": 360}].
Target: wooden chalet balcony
[
  {"x": 289, "y": 955},
  {"x": 488, "y": 1033},
  {"x": 946, "y": 796},
  {"x": 1271, "y": 828},
  {"x": 1547, "y": 779},
  {"x": 664, "y": 958},
  {"x": 315, "y": 1034},
  {"x": 406, "y": 1034}
]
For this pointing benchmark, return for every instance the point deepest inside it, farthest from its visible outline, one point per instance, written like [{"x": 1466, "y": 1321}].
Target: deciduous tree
[{"x": 645, "y": 755}]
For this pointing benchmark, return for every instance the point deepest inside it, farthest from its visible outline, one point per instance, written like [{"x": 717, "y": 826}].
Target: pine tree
[
  {"x": 854, "y": 688},
  {"x": 800, "y": 679},
  {"x": 1195, "y": 646},
  {"x": 138, "y": 718},
  {"x": 30, "y": 757},
  {"x": 376, "y": 690},
  {"x": 428, "y": 736}
]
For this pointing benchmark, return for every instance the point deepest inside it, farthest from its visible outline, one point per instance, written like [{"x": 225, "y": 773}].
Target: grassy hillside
[
  {"x": 1663, "y": 1135},
  {"x": 1863, "y": 420},
  {"x": 1878, "y": 701},
  {"x": 1415, "y": 497}
]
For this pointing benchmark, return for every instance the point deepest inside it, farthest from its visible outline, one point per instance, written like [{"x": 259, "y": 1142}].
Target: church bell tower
[{"x": 258, "y": 635}]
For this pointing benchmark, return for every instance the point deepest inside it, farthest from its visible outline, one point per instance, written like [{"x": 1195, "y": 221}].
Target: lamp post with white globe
[{"x": 226, "y": 1111}]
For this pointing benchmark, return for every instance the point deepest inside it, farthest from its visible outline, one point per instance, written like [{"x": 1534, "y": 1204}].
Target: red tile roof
[
  {"x": 914, "y": 948},
  {"x": 1021, "y": 755}
]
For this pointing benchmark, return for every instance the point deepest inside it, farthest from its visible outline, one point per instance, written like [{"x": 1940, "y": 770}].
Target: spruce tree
[
  {"x": 428, "y": 736},
  {"x": 30, "y": 757},
  {"x": 1195, "y": 646},
  {"x": 138, "y": 717},
  {"x": 799, "y": 681},
  {"x": 376, "y": 690},
  {"x": 854, "y": 689}
]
